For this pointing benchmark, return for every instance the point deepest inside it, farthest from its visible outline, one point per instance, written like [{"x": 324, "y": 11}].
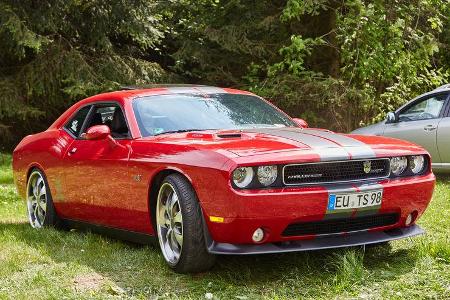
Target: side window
[
  {"x": 111, "y": 116},
  {"x": 428, "y": 108},
  {"x": 75, "y": 124}
]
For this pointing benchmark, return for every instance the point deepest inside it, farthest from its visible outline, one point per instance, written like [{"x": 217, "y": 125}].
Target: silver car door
[
  {"x": 443, "y": 139},
  {"x": 418, "y": 123}
]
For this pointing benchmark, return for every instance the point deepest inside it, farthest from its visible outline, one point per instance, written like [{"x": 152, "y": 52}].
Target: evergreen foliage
[
  {"x": 338, "y": 64},
  {"x": 53, "y": 53}
]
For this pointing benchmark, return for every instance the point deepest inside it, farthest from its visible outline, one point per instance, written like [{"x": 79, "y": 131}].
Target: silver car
[{"x": 425, "y": 120}]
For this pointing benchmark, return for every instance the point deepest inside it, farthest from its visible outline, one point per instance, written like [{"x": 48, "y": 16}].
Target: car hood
[
  {"x": 374, "y": 129},
  {"x": 323, "y": 143}
]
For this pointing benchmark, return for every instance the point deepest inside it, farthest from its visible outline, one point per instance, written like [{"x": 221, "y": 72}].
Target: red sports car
[{"x": 209, "y": 170}]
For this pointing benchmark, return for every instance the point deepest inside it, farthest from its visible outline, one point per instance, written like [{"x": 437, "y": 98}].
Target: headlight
[
  {"x": 398, "y": 165},
  {"x": 416, "y": 163},
  {"x": 267, "y": 174},
  {"x": 243, "y": 176}
]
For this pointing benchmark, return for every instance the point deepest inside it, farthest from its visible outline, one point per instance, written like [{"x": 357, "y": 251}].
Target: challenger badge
[{"x": 367, "y": 166}]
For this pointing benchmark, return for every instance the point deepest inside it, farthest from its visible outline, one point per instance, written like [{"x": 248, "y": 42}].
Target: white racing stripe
[
  {"x": 330, "y": 154},
  {"x": 355, "y": 148},
  {"x": 328, "y": 145}
]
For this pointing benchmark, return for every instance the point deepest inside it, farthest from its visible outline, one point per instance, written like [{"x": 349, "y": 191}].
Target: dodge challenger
[{"x": 204, "y": 171}]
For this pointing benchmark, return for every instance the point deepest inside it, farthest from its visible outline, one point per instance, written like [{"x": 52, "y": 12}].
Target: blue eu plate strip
[{"x": 331, "y": 201}]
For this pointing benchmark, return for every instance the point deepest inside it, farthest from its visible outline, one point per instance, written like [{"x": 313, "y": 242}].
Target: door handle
[
  {"x": 72, "y": 151},
  {"x": 429, "y": 128}
]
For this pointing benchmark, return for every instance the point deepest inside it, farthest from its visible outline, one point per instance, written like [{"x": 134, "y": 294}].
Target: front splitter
[{"x": 321, "y": 242}]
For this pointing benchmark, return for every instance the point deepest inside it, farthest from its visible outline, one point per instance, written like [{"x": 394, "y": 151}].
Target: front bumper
[
  {"x": 242, "y": 212},
  {"x": 322, "y": 242}
]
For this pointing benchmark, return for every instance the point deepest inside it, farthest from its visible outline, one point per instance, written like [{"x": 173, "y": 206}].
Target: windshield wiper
[{"x": 180, "y": 131}]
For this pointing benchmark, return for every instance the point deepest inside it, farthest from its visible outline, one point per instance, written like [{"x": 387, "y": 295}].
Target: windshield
[{"x": 184, "y": 112}]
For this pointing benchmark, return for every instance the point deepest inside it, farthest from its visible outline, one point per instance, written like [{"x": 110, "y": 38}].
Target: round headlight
[
  {"x": 416, "y": 163},
  {"x": 398, "y": 165},
  {"x": 267, "y": 174},
  {"x": 243, "y": 176}
]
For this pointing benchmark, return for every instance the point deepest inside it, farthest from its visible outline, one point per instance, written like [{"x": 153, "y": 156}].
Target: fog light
[
  {"x": 258, "y": 235},
  {"x": 409, "y": 219}
]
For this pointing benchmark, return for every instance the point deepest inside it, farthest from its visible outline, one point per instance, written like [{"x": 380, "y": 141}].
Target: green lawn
[{"x": 75, "y": 265}]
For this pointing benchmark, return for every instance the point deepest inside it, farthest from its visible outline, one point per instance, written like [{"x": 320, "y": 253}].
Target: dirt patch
[{"x": 92, "y": 281}]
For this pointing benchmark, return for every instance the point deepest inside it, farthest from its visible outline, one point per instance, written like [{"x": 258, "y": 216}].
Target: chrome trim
[{"x": 335, "y": 161}]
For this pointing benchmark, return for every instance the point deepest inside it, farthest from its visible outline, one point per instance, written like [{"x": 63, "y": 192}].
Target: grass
[
  {"x": 51, "y": 264},
  {"x": 5, "y": 169}
]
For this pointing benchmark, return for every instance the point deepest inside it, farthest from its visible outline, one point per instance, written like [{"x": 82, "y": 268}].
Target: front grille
[
  {"x": 341, "y": 225},
  {"x": 338, "y": 171}
]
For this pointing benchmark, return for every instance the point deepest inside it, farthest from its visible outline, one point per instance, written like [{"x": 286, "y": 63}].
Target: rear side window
[{"x": 75, "y": 124}]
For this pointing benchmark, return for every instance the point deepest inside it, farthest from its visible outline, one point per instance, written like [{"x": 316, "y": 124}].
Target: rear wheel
[
  {"x": 41, "y": 212},
  {"x": 179, "y": 226}
]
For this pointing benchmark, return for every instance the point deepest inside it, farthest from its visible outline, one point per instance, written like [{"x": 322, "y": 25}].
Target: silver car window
[{"x": 429, "y": 108}]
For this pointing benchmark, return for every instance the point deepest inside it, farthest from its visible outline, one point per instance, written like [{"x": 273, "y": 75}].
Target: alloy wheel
[{"x": 169, "y": 222}]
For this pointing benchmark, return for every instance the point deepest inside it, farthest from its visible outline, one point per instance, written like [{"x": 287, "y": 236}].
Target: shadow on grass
[
  {"x": 137, "y": 266},
  {"x": 443, "y": 178}
]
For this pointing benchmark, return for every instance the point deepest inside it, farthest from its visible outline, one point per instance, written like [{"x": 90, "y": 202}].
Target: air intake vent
[
  {"x": 229, "y": 135},
  {"x": 341, "y": 225}
]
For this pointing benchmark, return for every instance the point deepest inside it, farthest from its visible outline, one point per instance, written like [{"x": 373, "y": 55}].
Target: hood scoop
[
  {"x": 213, "y": 135},
  {"x": 229, "y": 135}
]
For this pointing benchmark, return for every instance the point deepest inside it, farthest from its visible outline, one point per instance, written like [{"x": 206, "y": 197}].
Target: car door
[
  {"x": 443, "y": 139},
  {"x": 418, "y": 123},
  {"x": 96, "y": 178},
  {"x": 70, "y": 131}
]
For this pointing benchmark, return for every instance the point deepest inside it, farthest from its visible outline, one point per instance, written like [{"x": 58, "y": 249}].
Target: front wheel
[{"x": 179, "y": 226}]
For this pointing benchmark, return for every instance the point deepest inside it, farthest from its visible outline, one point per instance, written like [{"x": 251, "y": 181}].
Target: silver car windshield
[{"x": 188, "y": 112}]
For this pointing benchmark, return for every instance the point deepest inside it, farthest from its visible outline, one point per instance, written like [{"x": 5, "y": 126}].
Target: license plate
[{"x": 355, "y": 200}]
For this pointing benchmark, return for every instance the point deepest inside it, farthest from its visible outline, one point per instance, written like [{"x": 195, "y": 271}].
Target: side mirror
[
  {"x": 391, "y": 117},
  {"x": 97, "y": 132},
  {"x": 300, "y": 122}
]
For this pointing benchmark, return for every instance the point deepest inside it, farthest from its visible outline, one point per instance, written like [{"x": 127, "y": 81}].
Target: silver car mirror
[{"x": 391, "y": 117}]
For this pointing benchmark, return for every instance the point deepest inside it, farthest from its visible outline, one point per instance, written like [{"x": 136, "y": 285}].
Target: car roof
[
  {"x": 159, "y": 85},
  {"x": 131, "y": 92},
  {"x": 444, "y": 87}
]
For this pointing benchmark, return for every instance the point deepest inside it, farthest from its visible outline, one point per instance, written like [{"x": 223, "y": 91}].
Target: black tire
[
  {"x": 51, "y": 218},
  {"x": 194, "y": 256}
]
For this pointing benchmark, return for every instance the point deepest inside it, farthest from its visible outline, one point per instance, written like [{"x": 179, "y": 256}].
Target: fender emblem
[{"x": 137, "y": 178}]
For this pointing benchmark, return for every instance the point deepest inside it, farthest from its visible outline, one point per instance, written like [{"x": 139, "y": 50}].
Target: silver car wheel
[
  {"x": 36, "y": 200},
  {"x": 169, "y": 223}
]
